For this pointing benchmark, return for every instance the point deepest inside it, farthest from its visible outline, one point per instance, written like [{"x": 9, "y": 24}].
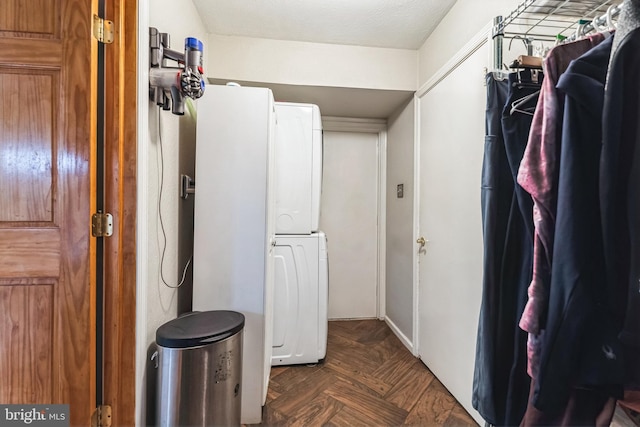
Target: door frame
[
  {"x": 120, "y": 141},
  {"x": 415, "y": 349},
  {"x": 377, "y": 126}
]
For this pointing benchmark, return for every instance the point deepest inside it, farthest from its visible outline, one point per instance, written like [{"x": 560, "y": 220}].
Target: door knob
[{"x": 421, "y": 241}]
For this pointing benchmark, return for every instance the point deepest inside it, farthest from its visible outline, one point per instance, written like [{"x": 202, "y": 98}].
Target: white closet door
[
  {"x": 450, "y": 264},
  {"x": 349, "y": 219}
]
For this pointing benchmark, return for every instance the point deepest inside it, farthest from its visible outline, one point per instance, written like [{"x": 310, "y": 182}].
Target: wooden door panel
[
  {"x": 18, "y": 18},
  {"x": 26, "y": 145},
  {"x": 29, "y": 253},
  {"x": 44, "y": 53},
  {"x": 26, "y": 333},
  {"x": 47, "y": 129}
]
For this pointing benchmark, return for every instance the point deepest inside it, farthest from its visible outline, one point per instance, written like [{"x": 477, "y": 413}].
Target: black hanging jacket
[{"x": 580, "y": 346}]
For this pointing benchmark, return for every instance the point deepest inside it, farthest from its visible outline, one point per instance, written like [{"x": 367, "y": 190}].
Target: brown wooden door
[{"x": 47, "y": 120}]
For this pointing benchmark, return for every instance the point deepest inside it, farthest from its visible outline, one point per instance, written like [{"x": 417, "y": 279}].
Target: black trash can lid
[{"x": 199, "y": 328}]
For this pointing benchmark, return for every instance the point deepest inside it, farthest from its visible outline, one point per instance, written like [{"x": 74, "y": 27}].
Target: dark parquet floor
[{"x": 367, "y": 379}]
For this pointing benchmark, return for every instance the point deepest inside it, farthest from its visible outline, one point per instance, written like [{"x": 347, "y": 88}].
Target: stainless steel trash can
[{"x": 200, "y": 369}]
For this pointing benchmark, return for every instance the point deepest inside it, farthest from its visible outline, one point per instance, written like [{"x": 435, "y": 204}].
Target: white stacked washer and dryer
[{"x": 301, "y": 264}]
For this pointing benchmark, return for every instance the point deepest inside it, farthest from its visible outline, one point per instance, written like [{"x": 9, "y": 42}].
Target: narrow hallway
[{"x": 367, "y": 379}]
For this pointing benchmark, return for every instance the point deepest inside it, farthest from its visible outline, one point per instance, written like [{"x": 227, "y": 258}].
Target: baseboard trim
[{"x": 402, "y": 337}]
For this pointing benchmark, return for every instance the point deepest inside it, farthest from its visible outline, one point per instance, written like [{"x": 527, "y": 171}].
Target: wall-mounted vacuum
[{"x": 169, "y": 85}]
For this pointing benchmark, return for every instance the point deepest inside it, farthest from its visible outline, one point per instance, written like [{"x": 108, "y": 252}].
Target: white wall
[
  {"x": 314, "y": 64},
  {"x": 465, "y": 19},
  {"x": 156, "y": 303},
  {"x": 400, "y": 235}
]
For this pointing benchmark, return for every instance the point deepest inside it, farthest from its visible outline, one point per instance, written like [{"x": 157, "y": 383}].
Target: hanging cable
[{"x": 164, "y": 234}]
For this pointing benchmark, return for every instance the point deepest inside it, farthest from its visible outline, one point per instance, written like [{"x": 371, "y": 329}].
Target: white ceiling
[{"x": 402, "y": 24}]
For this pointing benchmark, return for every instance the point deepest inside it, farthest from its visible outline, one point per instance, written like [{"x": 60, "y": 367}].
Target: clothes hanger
[
  {"x": 529, "y": 73},
  {"x": 516, "y": 106},
  {"x": 500, "y": 75},
  {"x": 528, "y": 61},
  {"x": 528, "y": 67},
  {"x": 527, "y": 77},
  {"x": 580, "y": 29},
  {"x": 611, "y": 24}
]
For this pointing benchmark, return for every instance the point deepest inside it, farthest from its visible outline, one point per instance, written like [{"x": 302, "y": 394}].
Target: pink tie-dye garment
[{"x": 538, "y": 175}]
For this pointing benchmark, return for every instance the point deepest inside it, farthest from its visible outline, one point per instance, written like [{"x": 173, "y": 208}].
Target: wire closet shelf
[
  {"x": 552, "y": 20},
  {"x": 548, "y": 19}
]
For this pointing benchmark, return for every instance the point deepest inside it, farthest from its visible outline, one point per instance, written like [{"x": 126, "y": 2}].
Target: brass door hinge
[
  {"x": 102, "y": 29},
  {"x": 101, "y": 224},
  {"x": 101, "y": 417}
]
